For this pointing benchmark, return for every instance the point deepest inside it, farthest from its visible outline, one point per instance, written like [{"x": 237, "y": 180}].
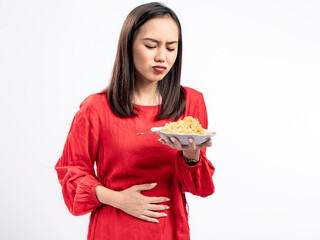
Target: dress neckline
[{"x": 146, "y": 106}]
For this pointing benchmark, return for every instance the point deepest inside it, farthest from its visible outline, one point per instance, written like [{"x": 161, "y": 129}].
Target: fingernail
[
  {"x": 156, "y": 221},
  {"x": 168, "y": 199},
  {"x": 190, "y": 140},
  {"x": 153, "y": 184},
  {"x": 167, "y": 207},
  {"x": 164, "y": 214},
  {"x": 172, "y": 139}
]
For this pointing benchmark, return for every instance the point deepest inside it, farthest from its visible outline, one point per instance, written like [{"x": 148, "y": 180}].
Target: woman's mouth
[{"x": 159, "y": 69}]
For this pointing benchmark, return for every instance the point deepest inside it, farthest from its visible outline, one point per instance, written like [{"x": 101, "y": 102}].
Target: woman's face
[{"x": 155, "y": 49}]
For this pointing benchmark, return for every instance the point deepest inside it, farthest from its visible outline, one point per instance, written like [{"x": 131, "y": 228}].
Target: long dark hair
[{"x": 120, "y": 89}]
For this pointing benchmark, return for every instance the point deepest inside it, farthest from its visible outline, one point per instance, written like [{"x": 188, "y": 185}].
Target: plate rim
[{"x": 211, "y": 133}]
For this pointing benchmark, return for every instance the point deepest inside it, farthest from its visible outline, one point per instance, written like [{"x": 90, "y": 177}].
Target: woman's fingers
[
  {"x": 171, "y": 142},
  {"x": 207, "y": 143},
  {"x": 168, "y": 141},
  {"x": 176, "y": 143},
  {"x": 192, "y": 146},
  {"x": 148, "y": 219},
  {"x": 155, "y": 214},
  {"x": 144, "y": 187},
  {"x": 156, "y": 207},
  {"x": 151, "y": 216},
  {"x": 192, "y": 150},
  {"x": 157, "y": 199}
]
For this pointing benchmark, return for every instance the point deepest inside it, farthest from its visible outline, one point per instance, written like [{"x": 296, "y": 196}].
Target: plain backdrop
[{"x": 258, "y": 66}]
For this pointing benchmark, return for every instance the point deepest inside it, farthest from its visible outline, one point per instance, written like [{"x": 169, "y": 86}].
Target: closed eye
[
  {"x": 149, "y": 46},
  {"x": 171, "y": 49}
]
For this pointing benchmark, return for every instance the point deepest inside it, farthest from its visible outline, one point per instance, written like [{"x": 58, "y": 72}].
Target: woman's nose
[{"x": 160, "y": 56}]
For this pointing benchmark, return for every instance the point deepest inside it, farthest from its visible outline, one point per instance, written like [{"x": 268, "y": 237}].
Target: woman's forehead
[{"x": 164, "y": 28}]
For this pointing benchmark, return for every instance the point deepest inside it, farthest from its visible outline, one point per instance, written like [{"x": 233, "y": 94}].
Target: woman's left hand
[{"x": 190, "y": 151}]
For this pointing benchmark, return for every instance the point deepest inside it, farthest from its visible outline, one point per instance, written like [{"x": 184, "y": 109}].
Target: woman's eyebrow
[{"x": 156, "y": 41}]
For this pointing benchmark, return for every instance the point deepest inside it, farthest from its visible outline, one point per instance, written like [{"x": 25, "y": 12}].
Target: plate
[{"x": 184, "y": 138}]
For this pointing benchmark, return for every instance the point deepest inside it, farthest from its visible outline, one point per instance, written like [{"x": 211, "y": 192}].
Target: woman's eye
[
  {"x": 149, "y": 46},
  {"x": 171, "y": 49}
]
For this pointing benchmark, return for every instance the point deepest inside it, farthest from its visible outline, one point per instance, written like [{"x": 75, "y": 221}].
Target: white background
[{"x": 258, "y": 65}]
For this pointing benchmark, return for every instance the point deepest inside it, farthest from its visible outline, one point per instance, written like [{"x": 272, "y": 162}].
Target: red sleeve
[
  {"x": 197, "y": 179},
  {"x": 75, "y": 168}
]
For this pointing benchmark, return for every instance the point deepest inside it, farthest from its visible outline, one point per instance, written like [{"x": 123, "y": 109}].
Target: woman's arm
[
  {"x": 75, "y": 168},
  {"x": 193, "y": 168},
  {"x": 81, "y": 189}
]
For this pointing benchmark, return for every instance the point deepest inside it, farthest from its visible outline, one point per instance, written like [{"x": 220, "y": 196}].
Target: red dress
[{"x": 123, "y": 159}]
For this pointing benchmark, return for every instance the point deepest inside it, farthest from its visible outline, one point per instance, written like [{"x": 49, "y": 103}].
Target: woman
[{"x": 138, "y": 190}]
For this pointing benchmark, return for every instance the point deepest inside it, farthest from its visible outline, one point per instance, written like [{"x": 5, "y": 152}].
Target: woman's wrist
[
  {"x": 106, "y": 196},
  {"x": 192, "y": 157}
]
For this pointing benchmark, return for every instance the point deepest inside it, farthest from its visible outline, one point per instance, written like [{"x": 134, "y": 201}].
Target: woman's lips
[{"x": 159, "y": 69}]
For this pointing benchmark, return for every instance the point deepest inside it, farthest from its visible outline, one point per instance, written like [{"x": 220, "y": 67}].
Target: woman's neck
[{"x": 146, "y": 94}]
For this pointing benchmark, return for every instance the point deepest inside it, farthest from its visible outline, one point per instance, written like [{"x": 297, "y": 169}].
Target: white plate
[{"x": 183, "y": 138}]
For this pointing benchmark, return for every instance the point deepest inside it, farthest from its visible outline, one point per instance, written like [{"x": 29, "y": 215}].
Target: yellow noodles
[{"x": 188, "y": 125}]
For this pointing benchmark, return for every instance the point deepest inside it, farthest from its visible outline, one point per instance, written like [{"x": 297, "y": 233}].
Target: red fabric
[{"x": 124, "y": 159}]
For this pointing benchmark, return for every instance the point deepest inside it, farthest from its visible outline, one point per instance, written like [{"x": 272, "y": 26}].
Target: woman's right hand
[
  {"x": 133, "y": 202},
  {"x": 146, "y": 208}
]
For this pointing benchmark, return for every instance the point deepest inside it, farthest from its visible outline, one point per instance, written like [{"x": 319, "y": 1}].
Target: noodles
[{"x": 188, "y": 125}]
